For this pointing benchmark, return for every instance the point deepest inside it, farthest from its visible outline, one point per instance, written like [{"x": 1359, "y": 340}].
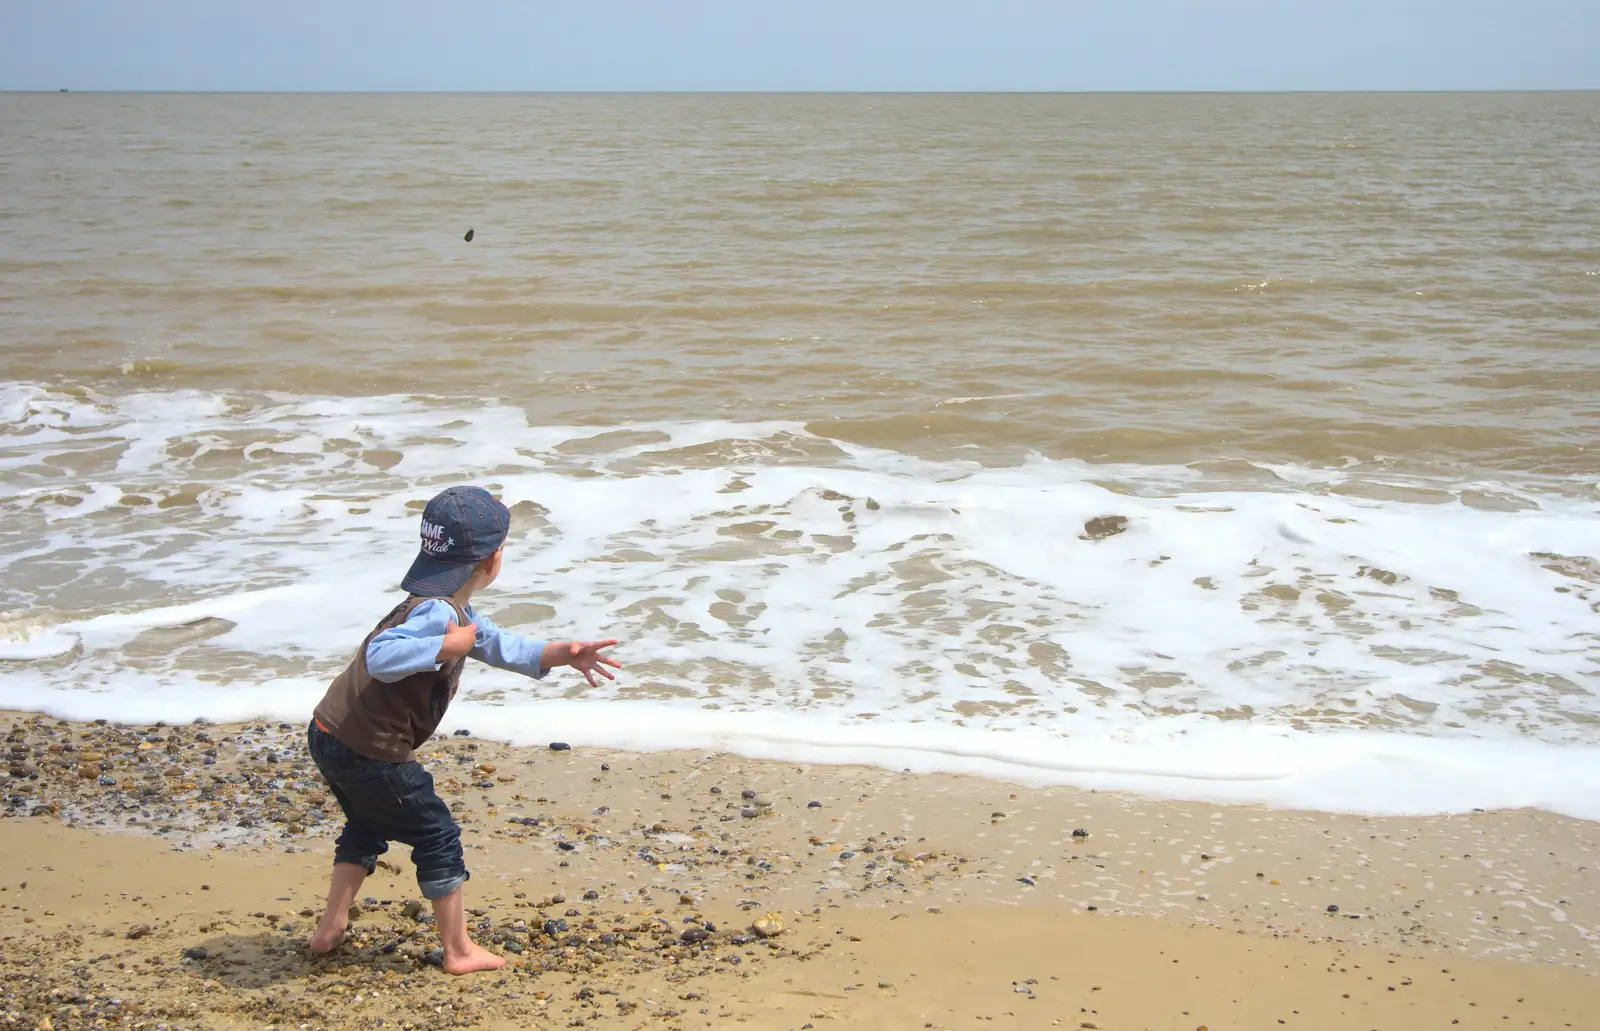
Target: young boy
[{"x": 389, "y": 701}]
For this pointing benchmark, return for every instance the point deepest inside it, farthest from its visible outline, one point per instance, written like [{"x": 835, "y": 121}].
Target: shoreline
[
  {"x": 1232, "y": 763},
  {"x": 909, "y": 864}
]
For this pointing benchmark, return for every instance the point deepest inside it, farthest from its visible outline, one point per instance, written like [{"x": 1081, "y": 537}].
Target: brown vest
[{"x": 389, "y": 721}]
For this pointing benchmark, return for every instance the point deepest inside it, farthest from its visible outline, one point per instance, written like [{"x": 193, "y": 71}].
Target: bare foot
[
  {"x": 474, "y": 959},
  {"x": 329, "y": 934}
]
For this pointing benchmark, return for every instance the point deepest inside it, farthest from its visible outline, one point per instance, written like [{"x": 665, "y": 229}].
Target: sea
[{"x": 1234, "y": 448}]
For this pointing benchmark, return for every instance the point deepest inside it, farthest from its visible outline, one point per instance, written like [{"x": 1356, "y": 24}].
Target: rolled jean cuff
[
  {"x": 439, "y": 886},
  {"x": 367, "y": 863}
]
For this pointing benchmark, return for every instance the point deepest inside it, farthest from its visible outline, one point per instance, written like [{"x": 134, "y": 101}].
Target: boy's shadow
[{"x": 272, "y": 957}]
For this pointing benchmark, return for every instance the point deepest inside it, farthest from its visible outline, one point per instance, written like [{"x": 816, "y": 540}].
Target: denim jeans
[{"x": 386, "y": 802}]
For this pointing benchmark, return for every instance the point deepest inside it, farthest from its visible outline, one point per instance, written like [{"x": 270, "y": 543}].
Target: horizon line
[{"x": 1125, "y": 91}]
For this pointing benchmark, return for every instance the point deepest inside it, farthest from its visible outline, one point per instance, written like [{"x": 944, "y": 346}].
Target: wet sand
[{"x": 162, "y": 876}]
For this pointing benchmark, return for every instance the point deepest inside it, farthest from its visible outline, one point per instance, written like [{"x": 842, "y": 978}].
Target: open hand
[
  {"x": 585, "y": 657},
  {"x": 458, "y": 641}
]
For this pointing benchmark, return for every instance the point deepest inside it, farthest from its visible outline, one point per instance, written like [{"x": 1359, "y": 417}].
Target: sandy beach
[
  {"x": 167, "y": 877},
  {"x": 1156, "y": 497}
]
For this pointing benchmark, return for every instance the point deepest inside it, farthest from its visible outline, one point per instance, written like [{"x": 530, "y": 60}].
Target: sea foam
[{"x": 1339, "y": 638}]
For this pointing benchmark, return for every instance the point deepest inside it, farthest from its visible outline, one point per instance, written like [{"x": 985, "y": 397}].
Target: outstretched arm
[{"x": 507, "y": 650}]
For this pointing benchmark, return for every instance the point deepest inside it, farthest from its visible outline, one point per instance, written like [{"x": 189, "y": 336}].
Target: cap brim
[{"x": 431, "y": 578}]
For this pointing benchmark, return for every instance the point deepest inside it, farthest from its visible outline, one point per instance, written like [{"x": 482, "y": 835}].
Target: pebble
[
  {"x": 470, "y": 234},
  {"x": 560, "y": 746},
  {"x": 813, "y": 804},
  {"x": 750, "y": 812},
  {"x": 768, "y": 926},
  {"x": 463, "y": 732},
  {"x": 1080, "y": 833},
  {"x": 1333, "y": 909},
  {"x": 195, "y": 954},
  {"x": 747, "y": 794},
  {"x": 1026, "y": 880},
  {"x": 412, "y": 910}
]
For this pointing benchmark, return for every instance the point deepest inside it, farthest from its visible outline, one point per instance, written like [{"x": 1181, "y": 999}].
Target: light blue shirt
[{"x": 413, "y": 646}]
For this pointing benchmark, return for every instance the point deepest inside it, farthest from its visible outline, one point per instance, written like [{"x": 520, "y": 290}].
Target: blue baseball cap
[{"x": 461, "y": 527}]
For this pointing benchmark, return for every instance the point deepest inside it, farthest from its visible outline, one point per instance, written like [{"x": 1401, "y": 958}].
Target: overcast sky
[{"x": 804, "y": 44}]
